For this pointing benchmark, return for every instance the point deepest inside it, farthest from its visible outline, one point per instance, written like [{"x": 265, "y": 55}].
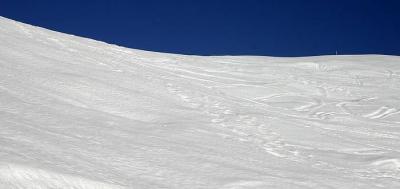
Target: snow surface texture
[{"x": 77, "y": 113}]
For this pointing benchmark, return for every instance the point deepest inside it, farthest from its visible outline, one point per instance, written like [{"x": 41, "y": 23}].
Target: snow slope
[{"x": 78, "y": 113}]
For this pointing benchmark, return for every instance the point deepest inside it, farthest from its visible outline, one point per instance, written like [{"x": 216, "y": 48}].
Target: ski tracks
[{"x": 243, "y": 127}]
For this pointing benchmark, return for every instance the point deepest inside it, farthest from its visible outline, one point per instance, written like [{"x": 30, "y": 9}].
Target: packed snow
[{"x": 78, "y": 113}]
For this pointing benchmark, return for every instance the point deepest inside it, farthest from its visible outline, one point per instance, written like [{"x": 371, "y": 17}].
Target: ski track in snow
[{"x": 78, "y": 113}]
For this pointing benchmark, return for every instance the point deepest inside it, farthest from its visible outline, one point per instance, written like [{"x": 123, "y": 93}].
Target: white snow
[{"x": 78, "y": 113}]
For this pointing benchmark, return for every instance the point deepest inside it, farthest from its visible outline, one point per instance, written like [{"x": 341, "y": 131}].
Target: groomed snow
[{"x": 78, "y": 113}]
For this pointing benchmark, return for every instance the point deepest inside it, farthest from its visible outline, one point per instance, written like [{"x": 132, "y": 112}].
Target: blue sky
[{"x": 225, "y": 27}]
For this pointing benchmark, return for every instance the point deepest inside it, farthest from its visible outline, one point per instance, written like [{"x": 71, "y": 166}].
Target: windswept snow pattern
[{"x": 78, "y": 113}]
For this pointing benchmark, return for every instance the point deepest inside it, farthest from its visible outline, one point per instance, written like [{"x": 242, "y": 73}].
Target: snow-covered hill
[{"x": 78, "y": 113}]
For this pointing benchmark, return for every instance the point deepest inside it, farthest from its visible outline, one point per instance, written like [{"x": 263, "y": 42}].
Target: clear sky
[{"x": 225, "y": 27}]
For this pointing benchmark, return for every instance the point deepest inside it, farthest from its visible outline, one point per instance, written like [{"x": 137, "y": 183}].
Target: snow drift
[{"x": 78, "y": 113}]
